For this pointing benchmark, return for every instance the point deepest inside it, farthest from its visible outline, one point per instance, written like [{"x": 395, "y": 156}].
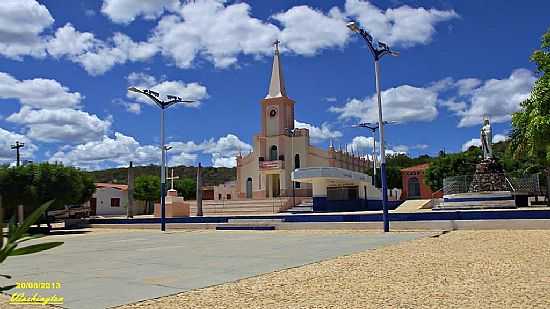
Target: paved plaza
[{"x": 106, "y": 268}]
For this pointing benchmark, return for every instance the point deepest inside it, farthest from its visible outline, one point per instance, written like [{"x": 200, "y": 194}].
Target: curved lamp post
[
  {"x": 378, "y": 52},
  {"x": 154, "y": 96}
]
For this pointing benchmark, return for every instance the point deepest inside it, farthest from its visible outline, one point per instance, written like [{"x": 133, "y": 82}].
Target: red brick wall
[{"x": 425, "y": 191}]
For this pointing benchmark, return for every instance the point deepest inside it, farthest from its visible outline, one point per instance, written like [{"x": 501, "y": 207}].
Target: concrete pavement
[{"x": 113, "y": 267}]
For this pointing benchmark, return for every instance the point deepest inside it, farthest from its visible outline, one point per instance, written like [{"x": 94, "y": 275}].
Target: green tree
[
  {"x": 186, "y": 187},
  {"x": 531, "y": 125},
  {"x": 454, "y": 164},
  {"x": 147, "y": 188},
  {"x": 34, "y": 184}
]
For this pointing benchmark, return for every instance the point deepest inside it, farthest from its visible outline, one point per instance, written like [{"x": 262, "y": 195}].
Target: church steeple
[{"x": 277, "y": 83}]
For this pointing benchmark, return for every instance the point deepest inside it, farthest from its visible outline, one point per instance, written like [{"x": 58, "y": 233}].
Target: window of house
[
  {"x": 219, "y": 196},
  {"x": 115, "y": 202},
  {"x": 228, "y": 197}
]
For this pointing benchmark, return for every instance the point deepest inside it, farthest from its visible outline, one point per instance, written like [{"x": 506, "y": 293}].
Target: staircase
[
  {"x": 240, "y": 207},
  {"x": 306, "y": 206},
  {"x": 249, "y": 225}
]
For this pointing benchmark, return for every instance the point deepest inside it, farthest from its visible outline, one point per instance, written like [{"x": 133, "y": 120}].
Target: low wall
[{"x": 322, "y": 204}]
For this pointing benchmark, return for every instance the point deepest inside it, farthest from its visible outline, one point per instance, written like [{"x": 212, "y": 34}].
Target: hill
[{"x": 210, "y": 175}]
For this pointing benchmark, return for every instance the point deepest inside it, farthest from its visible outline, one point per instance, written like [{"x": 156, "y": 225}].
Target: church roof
[{"x": 277, "y": 83}]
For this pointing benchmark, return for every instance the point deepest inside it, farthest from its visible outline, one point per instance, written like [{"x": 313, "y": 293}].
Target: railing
[{"x": 527, "y": 184}]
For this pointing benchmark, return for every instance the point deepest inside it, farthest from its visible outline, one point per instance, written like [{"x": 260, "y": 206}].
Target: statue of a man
[{"x": 486, "y": 137}]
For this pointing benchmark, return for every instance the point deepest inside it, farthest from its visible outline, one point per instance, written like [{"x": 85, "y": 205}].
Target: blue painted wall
[{"x": 322, "y": 204}]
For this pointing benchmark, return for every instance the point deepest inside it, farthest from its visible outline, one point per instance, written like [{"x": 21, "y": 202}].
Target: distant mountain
[{"x": 210, "y": 175}]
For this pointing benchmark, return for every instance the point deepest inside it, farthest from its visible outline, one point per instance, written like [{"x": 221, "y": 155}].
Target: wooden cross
[{"x": 172, "y": 179}]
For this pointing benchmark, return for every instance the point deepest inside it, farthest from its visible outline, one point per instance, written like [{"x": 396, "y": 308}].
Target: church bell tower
[{"x": 277, "y": 108}]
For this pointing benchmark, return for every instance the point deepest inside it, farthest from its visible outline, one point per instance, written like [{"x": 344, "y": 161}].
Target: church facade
[{"x": 280, "y": 148}]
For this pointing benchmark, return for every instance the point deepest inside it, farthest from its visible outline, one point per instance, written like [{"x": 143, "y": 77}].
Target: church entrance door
[
  {"x": 249, "y": 188},
  {"x": 274, "y": 185}
]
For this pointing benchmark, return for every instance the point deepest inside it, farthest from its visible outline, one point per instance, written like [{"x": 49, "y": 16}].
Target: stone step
[
  {"x": 254, "y": 221},
  {"x": 245, "y": 228},
  {"x": 300, "y": 209}
]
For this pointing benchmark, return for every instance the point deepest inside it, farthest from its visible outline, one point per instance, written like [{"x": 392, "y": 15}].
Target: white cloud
[
  {"x": 60, "y": 125},
  {"x": 21, "y": 23},
  {"x": 134, "y": 108},
  {"x": 121, "y": 149},
  {"x": 194, "y": 91},
  {"x": 94, "y": 55},
  {"x": 106, "y": 151},
  {"x": 217, "y": 32},
  {"x": 403, "y": 104},
  {"x": 466, "y": 85},
  {"x": 223, "y": 150},
  {"x": 38, "y": 92},
  {"x": 125, "y": 11},
  {"x": 7, "y": 139},
  {"x": 361, "y": 144},
  {"x": 209, "y": 29},
  {"x": 403, "y": 26},
  {"x": 218, "y": 161},
  {"x": 319, "y": 134},
  {"x": 453, "y": 105},
  {"x": 497, "y": 98},
  {"x": 306, "y": 30},
  {"x": 477, "y": 142}
]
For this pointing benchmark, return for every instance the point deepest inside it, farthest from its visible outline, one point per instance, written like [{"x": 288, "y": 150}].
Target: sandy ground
[{"x": 462, "y": 269}]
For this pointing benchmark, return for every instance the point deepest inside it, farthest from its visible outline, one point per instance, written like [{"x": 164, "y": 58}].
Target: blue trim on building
[
  {"x": 322, "y": 204},
  {"x": 478, "y": 199},
  {"x": 377, "y": 217}
]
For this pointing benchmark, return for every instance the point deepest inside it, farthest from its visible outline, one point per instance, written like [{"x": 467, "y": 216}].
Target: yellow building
[{"x": 280, "y": 148}]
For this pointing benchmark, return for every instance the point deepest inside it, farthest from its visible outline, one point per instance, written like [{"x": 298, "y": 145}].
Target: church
[{"x": 280, "y": 148}]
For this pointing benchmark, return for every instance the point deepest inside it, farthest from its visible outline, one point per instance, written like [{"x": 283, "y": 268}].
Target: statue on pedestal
[
  {"x": 486, "y": 138},
  {"x": 489, "y": 173}
]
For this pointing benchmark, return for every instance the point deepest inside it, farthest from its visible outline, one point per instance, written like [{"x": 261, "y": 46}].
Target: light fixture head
[
  {"x": 134, "y": 89},
  {"x": 352, "y": 25}
]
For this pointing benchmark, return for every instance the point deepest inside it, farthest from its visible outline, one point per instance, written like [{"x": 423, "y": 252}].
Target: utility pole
[
  {"x": 18, "y": 146},
  {"x": 199, "y": 191},
  {"x": 130, "y": 210}
]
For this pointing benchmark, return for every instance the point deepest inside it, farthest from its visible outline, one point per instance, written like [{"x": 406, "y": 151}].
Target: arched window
[
  {"x": 273, "y": 153},
  {"x": 413, "y": 187},
  {"x": 249, "y": 187}
]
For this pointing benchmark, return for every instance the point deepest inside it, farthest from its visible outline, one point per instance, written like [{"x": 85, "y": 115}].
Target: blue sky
[{"x": 65, "y": 67}]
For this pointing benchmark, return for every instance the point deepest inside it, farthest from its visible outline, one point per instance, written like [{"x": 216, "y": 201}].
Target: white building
[{"x": 111, "y": 200}]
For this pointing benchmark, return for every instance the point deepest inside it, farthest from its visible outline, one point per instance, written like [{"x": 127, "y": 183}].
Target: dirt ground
[{"x": 461, "y": 269}]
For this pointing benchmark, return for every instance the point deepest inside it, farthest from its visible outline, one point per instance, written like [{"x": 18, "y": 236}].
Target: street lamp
[
  {"x": 372, "y": 127},
  {"x": 378, "y": 52},
  {"x": 154, "y": 96},
  {"x": 292, "y": 134}
]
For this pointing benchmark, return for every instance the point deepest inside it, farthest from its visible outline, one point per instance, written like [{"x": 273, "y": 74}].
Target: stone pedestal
[
  {"x": 175, "y": 206},
  {"x": 489, "y": 176}
]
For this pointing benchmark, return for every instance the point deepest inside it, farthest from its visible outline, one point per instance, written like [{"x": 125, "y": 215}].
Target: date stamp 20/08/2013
[{"x": 36, "y": 298}]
